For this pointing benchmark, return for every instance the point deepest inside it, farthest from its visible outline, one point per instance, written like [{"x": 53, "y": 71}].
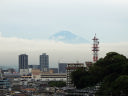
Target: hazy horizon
[
  {"x": 61, "y": 52},
  {"x": 26, "y": 26}
]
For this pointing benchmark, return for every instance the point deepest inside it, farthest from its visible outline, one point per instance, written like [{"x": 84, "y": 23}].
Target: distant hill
[{"x": 68, "y": 37}]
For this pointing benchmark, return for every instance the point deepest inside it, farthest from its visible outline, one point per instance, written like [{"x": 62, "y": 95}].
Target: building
[
  {"x": 53, "y": 77},
  {"x": 53, "y": 70},
  {"x": 4, "y": 84},
  {"x": 23, "y": 61},
  {"x": 70, "y": 68},
  {"x": 46, "y": 76},
  {"x": 23, "y": 64},
  {"x": 34, "y": 66},
  {"x": 88, "y": 64},
  {"x": 36, "y": 74},
  {"x": 62, "y": 67},
  {"x": 44, "y": 62}
]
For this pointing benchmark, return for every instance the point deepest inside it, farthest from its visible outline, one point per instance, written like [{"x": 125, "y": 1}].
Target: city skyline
[{"x": 27, "y": 25}]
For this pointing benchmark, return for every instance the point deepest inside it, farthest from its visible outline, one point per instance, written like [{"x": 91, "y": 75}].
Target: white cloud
[{"x": 0, "y": 34}]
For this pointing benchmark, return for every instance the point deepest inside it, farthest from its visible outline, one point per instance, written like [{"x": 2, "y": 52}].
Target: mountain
[{"x": 68, "y": 37}]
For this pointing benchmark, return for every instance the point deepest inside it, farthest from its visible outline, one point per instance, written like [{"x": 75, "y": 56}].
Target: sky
[{"x": 26, "y": 25}]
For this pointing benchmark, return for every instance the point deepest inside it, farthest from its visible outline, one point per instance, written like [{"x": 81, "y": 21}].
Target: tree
[
  {"x": 120, "y": 85},
  {"x": 79, "y": 77},
  {"x": 110, "y": 70},
  {"x": 57, "y": 83}
]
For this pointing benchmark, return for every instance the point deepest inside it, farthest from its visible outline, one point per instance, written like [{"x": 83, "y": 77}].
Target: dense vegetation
[
  {"x": 111, "y": 72},
  {"x": 57, "y": 84}
]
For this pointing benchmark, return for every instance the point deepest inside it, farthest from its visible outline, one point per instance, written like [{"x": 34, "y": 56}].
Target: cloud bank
[{"x": 11, "y": 47}]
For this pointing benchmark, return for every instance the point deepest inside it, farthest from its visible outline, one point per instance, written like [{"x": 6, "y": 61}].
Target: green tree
[
  {"x": 120, "y": 85},
  {"x": 57, "y": 84},
  {"x": 114, "y": 66},
  {"x": 108, "y": 71},
  {"x": 79, "y": 77}
]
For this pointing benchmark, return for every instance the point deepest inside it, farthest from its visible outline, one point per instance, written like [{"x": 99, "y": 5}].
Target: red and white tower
[{"x": 95, "y": 48}]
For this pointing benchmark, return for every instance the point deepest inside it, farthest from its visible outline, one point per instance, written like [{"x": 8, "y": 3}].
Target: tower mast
[{"x": 95, "y": 48}]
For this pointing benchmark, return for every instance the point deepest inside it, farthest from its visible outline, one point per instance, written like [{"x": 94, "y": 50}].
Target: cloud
[
  {"x": 0, "y": 34},
  {"x": 58, "y": 51}
]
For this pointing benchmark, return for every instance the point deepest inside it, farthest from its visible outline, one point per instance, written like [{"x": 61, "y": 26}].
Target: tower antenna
[{"x": 95, "y": 48}]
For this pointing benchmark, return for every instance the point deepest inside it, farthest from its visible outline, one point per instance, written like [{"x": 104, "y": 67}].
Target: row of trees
[{"x": 111, "y": 72}]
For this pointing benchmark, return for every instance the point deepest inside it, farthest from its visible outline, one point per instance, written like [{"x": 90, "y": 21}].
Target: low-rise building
[
  {"x": 53, "y": 70},
  {"x": 88, "y": 64},
  {"x": 34, "y": 66},
  {"x": 24, "y": 72},
  {"x": 4, "y": 84},
  {"x": 36, "y": 74},
  {"x": 70, "y": 68},
  {"x": 53, "y": 77}
]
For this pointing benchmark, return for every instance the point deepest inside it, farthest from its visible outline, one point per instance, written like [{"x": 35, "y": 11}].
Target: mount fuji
[{"x": 68, "y": 37}]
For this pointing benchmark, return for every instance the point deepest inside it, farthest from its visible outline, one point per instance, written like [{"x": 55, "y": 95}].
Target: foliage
[
  {"x": 120, "y": 85},
  {"x": 57, "y": 84},
  {"x": 80, "y": 75},
  {"x": 112, "y": 71}
]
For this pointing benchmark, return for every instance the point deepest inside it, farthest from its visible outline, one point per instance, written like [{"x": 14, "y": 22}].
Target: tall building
[
  {"x": 62, "y": 67},
  {"x": 44, "y": 62},
  {"x": 23, "y": 64}
]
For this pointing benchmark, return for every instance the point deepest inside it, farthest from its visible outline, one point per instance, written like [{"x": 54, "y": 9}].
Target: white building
[
  {"x": 47, "y": 76},
  {"x": 53, "y": 77}
]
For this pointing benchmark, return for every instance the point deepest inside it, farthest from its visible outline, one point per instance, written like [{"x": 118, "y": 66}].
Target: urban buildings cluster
[
  {"x": 26, "y": 80},
  {"x": 14, "y": 82}
]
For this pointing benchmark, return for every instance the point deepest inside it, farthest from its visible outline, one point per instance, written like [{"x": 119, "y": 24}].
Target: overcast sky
[{"x": 23, "y": 22}]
